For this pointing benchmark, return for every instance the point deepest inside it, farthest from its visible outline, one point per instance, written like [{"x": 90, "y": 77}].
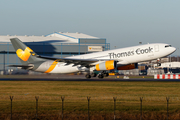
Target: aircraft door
[{"x": 156, "y": 48}]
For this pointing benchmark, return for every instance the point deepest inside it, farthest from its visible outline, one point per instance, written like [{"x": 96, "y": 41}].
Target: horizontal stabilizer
[{"x": 22, "y": 66}]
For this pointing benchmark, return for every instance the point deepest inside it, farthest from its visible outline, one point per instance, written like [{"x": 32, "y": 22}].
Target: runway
[
  {"x": 110, "y": 80},
  {"x": 76, "y": 78}
]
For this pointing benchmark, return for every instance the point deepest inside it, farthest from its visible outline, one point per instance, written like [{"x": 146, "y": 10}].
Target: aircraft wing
[{"x": 75, "y": 61}]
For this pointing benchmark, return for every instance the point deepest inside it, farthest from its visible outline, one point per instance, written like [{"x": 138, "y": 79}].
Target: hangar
[{"x": 57, "y": 44}]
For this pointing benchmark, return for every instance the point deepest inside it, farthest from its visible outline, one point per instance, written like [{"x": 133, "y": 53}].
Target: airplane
[{"x": 117, "y": 59}]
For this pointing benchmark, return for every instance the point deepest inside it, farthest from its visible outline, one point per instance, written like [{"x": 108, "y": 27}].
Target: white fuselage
[{"x": 124, "y": 56}]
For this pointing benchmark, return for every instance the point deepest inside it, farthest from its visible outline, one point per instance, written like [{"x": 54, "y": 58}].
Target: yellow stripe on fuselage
[{"x": 53, "y": 65}]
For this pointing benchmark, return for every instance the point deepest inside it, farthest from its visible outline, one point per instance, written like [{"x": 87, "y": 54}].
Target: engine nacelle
[{"x": 107, "y": 65}]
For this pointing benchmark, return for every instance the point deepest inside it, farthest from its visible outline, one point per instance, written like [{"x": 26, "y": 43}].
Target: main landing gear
[
  {"x": 88, "y": 76},
  {"x": 100, "y": 75},
  {"x": 103, "y": 74}
]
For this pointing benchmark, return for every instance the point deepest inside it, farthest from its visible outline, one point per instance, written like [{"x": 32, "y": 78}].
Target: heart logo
[{"x": 24, "y": 55}]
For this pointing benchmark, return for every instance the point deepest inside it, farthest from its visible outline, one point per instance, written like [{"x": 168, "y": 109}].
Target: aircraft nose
[{"x": 174, "y": 49}]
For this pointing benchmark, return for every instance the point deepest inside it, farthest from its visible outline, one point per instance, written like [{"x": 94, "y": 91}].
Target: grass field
[{"x": 101, "y": 103}]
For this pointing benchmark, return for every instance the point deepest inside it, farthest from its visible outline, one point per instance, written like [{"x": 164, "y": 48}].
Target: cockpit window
[{"x": 167, "y": 46}]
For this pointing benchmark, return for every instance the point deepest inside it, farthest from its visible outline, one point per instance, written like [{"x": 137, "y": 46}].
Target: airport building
[{"x": 57, "y": 44}]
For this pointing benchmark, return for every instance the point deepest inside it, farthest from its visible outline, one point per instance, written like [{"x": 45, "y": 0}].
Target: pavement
[{"x": 74, "y": 78}]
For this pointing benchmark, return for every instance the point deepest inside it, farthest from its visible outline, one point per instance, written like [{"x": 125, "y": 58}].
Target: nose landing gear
[{"x": 158, "y": 62}]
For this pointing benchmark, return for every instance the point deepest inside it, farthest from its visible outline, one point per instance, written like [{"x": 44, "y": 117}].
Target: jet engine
[{"x": 107, "y": 65}]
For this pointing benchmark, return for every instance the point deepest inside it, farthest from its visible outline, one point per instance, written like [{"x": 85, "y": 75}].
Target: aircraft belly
[
  {"x": 56, "y": 67},
  {"x": 64, "y": 69}
]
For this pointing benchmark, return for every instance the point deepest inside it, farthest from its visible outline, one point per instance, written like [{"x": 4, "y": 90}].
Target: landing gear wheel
[
  {"x": 100, "y": 76},
  {"x": 93, "y": 74},
  {"x": 88, "y": 76},
  {"x": 159, "y": 64},
  {"x": 106, "y": 74}
]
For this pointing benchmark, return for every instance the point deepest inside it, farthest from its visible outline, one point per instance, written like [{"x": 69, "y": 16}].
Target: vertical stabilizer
[{"x": 25, "y": 54}]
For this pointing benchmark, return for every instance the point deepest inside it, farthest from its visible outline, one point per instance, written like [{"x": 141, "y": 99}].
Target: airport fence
[{"x": 62, "y": 115}]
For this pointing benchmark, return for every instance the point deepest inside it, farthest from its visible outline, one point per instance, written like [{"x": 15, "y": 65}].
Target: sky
[{"x": 122, "y": 22}]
